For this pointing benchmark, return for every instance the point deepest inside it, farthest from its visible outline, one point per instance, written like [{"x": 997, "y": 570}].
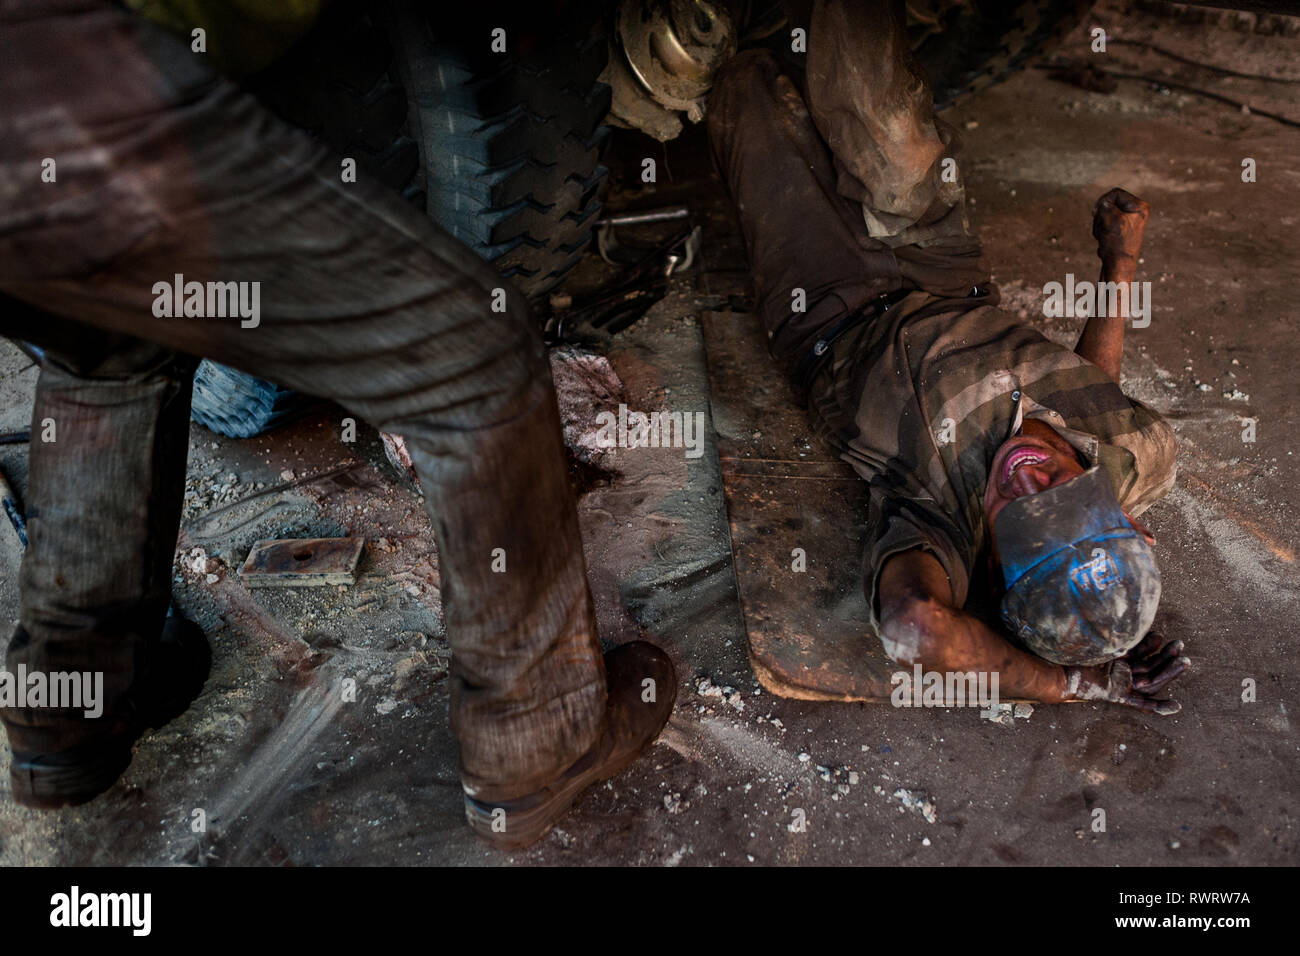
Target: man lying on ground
[{"x": 1006, "y": 471}]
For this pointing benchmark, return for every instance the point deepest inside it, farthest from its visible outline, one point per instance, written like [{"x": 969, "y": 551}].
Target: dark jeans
[{"x": 163, "y": 168}]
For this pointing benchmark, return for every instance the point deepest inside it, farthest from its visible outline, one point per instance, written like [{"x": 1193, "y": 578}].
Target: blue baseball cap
[{"x": 1082, "y": 584}]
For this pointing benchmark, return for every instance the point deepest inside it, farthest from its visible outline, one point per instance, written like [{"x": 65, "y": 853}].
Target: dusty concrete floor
[{"x": 285, "y": 774}]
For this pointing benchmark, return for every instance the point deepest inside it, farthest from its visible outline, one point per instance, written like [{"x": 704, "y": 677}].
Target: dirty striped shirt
[{"x": 919, "y": 399}]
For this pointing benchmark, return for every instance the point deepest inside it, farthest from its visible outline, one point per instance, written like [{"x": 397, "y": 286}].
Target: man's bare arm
[
  {"x": 919, "y": 625},
  {"x": 1119, "y": 222}
]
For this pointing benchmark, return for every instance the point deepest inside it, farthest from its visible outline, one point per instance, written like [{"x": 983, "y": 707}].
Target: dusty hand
[
  {"x": 1119, "y": 221},
  {"x": 1134, "y": 679}
]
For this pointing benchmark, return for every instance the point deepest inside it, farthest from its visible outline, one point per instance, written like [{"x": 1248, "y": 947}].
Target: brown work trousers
[
  {"x": 162, "y": 167},
  {"x": 838, "y": 177}
]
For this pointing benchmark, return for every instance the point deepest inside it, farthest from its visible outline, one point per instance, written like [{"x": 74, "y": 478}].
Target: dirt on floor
[{"x": 282, "y": 772}]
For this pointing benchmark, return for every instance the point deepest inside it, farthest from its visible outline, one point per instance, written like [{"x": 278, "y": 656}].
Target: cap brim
[{"x": 1034, "y": 527}]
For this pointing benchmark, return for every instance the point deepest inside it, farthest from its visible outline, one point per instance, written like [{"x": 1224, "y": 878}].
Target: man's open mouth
[{"x": 1021, "y": 456}]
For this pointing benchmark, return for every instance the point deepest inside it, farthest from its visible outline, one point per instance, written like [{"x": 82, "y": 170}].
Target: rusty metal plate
[
  {"x": 302, "y": 562},
  {"x": 809, "y": 631}
]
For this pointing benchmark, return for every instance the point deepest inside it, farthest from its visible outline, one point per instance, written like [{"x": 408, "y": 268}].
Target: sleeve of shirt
[
  {"x": 896, "y": 525},
  {"x": 1154, "y": 451}
]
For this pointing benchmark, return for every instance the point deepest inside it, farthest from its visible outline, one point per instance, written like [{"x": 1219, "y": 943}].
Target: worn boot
[
  {"x": 67, "y": 776},
  {"x": 635, "y": 712}
]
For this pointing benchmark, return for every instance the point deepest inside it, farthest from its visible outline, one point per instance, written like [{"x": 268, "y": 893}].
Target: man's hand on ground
[
  {"x": 1135, "y": 679},
  {"x": 1156, "y": 663},
  {"x": 1119, "y": 222}
]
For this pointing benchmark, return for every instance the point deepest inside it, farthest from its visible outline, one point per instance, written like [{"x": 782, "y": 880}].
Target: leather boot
[
  {"x": 68, "y": 776},
  {"x": 631, "y": 724}
]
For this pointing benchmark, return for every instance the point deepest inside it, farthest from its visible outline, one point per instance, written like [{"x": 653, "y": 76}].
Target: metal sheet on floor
[{"x": 809, "y": 631}]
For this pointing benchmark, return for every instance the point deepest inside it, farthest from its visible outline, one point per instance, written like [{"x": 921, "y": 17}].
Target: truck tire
[
  {"x": 511, "y": 142},
  {"x": 238, "y": 405},
  {"x": 500, "y": 149}
]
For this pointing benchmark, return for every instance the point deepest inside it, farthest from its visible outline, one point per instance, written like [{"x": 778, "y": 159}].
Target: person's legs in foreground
[{"x": 165, "y": 169}]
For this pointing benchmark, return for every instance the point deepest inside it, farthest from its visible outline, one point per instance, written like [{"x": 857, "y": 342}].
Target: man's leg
[
  {"x": 800, "y": 234},
  {"x": 165, "y": 169},
  {"x": 894, "y": 159},
  {"x": 874, "y": 108},
  {"x": 107, "y": 471}
]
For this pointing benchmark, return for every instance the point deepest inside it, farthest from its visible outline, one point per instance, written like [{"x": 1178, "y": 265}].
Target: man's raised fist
[{"x": 1119, "y": 221}]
